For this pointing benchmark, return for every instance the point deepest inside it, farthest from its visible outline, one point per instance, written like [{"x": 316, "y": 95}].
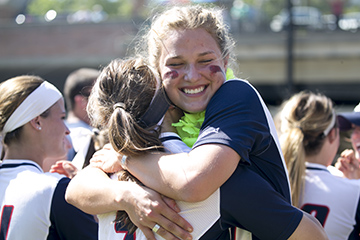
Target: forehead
[
  {"x": 58, "y": 107},
  {"x": 194, "y": 42}
]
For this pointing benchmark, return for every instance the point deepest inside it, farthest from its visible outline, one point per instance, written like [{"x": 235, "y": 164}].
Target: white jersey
[
  {"x": 80, "y": 135},
  {"x": 33, "y": 205},
  {"x": 201, "y": 215},
  {"x": 333, "y": 200}
]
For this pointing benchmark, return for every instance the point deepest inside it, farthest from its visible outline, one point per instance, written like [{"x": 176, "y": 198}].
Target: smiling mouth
[{"x": 193, "y": 91}]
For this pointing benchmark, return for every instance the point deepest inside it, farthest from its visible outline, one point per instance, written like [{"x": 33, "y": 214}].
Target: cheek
[
  {"x": 214, "y": 69},
  {"x": 171, "y": 75},
  {"x": 355, "y": 136},
  {"x": 169, "y": 86}
]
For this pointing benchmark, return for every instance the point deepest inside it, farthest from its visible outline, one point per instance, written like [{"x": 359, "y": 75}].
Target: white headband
[
  {"x": 41, "y": 99},
  {"x": 331, "y": 125}
]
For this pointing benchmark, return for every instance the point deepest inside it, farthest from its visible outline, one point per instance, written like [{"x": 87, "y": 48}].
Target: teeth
[{"x": 194, "y": 91}]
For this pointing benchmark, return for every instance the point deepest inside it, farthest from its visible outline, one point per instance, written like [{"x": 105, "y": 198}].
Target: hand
[
  {"x": 146, "y": 208},
  {"x": 64, "y": 167},
  {"x": 171, "y": 116},
  {"x": 348, "y": 164},
  {"x": 107, "y": 159}
]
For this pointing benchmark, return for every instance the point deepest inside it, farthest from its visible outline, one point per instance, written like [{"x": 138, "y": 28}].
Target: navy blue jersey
[
  {"x": 237, "y": 117},
  {"x": 33, "y": 205},
  {"x": 256, "y": 197}
]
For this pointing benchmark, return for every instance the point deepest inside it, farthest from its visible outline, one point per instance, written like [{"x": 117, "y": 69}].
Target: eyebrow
[
  {"x": 206, "y": 53},
  {"x": 200, "y": 55}
]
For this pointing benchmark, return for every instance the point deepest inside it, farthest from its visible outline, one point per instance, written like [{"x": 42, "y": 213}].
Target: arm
[
  {"x": 68, "y": 222},
  {"x": 190, "y": 177},
  {"x": 94, "y": 192},
  {"x": 309, "y": 228}
]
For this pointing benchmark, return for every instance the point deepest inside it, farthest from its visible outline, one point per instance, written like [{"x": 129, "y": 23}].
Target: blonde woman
[{"x": 310, "y": 138}]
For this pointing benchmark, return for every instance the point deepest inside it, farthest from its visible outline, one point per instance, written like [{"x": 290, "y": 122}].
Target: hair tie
[
  {"x": 300, "y": 129},
  {"x": 119, "y": 105},
  {"x": 331, "y": 125}
]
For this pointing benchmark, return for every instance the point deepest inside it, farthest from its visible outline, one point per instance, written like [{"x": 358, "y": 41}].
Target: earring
[{"x": 39, "y": 128}]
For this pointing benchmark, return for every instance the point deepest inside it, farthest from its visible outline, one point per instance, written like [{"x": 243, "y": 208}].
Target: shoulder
[
  {"x": 236, "y": 91},
  {"x": 235, "y": 84}
]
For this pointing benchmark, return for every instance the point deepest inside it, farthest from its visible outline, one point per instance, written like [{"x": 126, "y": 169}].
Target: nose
[
  {"x": 67, "y": 131},
  {"x": 192, "y": 74}
]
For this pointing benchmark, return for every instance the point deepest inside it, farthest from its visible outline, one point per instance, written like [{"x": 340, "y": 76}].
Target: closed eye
[
  {"x": 175, "y": 64},
  {"x": 206, "y": 61}
]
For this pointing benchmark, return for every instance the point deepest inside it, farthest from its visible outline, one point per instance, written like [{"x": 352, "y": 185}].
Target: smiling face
[
  {"x": 55, "y": 131},
  {"x": 355, "y": 140},
  {"x": 192, "y": 68}
]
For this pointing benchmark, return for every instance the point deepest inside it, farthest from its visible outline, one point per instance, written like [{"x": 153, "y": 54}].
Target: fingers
[
  {"x": 347, "y": 153},
  {"x": 147, "y": 232},
  {"x": 70, "y": 169},
  {"x": 171, "y": 203},
  {"x": 147, "y": 208},
  {"x": 107, "y": 159},
  {"x": 172, "y": 224}
]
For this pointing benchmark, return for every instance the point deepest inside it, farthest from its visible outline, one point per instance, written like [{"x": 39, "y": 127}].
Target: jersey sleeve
[
  {"x": 235, "y": 117},
  {"x": 355, "y": 234},
  {"x": 172, "y": 143},
  {"x": 258, "y": 209},
  {"x": 67, "y": 221}
]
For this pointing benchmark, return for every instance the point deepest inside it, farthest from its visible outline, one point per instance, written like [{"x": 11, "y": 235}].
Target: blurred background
[{"x": 282, "y": 46}]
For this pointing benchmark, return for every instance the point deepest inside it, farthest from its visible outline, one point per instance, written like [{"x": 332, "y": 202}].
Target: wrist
[{"x": 127, "y": 195}]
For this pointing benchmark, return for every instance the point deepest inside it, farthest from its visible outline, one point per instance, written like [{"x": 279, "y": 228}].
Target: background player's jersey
[
  {"x": 33, "y": 205},
  {"x": 333, "y": 200}
]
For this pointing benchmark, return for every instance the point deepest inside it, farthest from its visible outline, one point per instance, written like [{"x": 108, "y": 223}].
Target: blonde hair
[
  {"x": 184, "y": 18},
  {"x": 302, "y": 120}
]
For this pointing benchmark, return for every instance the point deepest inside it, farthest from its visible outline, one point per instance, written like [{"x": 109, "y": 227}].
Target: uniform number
[
  {"x": 5, "y": 221},
  {"x": 120, "y": 229},
  {"x": 319, "y": 211}
]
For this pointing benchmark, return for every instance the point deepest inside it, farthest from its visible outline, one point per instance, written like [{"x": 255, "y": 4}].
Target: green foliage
[{"x": 114, "y": 8}]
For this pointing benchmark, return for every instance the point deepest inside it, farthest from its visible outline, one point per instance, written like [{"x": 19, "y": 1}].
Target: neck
[
  {"x": 73, "y": 118},
  {"x": 325, "y": 156},
  {"x": 23, "y": 151}
]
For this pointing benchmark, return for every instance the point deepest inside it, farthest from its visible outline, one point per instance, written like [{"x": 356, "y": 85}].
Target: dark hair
[
  {"x": 79, "y": 82},
  {"x": 120, "y": 96}
]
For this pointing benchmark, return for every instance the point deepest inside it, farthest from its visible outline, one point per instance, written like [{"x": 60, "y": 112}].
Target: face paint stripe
[
  {"x": 172, "y": 75},
  {"x": 215, "y": 69}
]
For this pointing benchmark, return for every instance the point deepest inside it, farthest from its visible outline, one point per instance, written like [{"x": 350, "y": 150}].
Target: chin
[{"x": 194, "y": 109}]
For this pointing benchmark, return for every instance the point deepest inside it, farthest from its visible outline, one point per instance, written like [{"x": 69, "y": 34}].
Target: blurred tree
[{"x": 114, "y": 8}]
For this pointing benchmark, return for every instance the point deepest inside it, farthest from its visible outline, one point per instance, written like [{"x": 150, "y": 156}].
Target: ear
[
  {"x": 36, "y": 123},
  {"x": 80, "y": 101},
  {"x": 333, "y": 134},
  {"x": 226, "y": 61}
]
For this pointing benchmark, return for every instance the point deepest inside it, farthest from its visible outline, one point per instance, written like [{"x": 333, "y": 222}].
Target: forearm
[
  {"x": 188, "y": 177},
  {"x": 309, "y": 228},
  {"x": 92, "y": 191}
]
